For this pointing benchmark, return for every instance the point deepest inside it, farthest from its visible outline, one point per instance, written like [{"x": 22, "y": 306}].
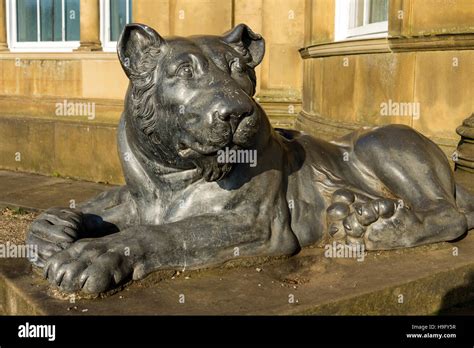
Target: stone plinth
[{"x": 465, "y": 150}]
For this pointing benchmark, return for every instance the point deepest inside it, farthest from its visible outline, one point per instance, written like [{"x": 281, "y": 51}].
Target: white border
[
  {"x": 367, "y": 31},
  {"x": 44, "y": 46}
]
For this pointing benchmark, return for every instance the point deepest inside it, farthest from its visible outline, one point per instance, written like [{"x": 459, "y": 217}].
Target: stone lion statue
[{"x": 207, "y": 175}]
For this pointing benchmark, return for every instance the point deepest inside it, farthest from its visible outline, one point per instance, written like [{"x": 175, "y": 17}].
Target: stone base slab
[{"x": 417, "y": 281}]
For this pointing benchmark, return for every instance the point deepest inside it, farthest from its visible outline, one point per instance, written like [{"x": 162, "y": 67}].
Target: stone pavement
[
  {"x": 36, "y": 192},
  {"x": 424, "y": 280}
]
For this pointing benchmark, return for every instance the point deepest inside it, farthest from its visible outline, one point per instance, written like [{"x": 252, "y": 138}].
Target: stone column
[
  {"x": 90, "y": 26},
  {"x": 3, "y": 27},
  {"x": 464, "y": 157}
]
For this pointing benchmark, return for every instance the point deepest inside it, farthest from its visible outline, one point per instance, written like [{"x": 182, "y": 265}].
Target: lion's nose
[{"x": 233, "y": 114}]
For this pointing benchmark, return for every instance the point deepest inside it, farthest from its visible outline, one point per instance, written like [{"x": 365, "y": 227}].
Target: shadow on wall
[{"x": 459, "y": 301}]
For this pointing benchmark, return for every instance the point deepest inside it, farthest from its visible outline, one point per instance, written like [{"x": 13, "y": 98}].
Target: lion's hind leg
[
  {"x": 384, "y": 223},
  {"x": 416, "y": 172}
]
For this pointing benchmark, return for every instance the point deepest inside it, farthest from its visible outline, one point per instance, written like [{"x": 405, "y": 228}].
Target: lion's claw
[
  {"x": 53, "y": 231},
  {"x": 90, "y": 266}
]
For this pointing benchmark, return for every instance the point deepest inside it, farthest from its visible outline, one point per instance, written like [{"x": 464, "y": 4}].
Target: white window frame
[
  {"x": 107, "y": 44},
  {"x": 35, "y": 46},
  {"x": 344, "y": 9}
]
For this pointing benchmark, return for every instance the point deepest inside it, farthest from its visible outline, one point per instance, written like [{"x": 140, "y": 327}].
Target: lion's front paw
[
  {"x": 353, "y": 221},
  {"x": 54, "y": 230},
  {"x": 91, "y": 266}
]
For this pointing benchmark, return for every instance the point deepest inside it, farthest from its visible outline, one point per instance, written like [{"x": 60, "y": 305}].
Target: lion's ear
[
  {"x": 247, "y": 43},
  {"x": 136, "y": 45}
]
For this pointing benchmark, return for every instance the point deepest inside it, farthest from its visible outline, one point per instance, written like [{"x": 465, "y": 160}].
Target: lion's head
[{"x": 191, "y": 97}]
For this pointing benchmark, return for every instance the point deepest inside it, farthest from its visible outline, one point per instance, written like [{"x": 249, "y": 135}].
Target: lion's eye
[
  {"x": 185, "y": 71},
  {"x": 236, "y": 66}
]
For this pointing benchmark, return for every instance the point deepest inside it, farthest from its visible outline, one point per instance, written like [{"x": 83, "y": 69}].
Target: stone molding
[{"x": 390, "y": 44}]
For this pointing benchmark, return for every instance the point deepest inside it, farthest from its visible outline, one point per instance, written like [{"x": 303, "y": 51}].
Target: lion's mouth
[
  {"x": 205, "y": 159},
  {"x": 189, "y": 147},
  {"x": 220, "y": 135},
  {"x": 195, "y": 149}
]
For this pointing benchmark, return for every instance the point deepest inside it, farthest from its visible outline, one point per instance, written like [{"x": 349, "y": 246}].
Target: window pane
[
  {"x": 51, "y": 20},
  {"x": 26, "y": 20},
  {"x": 356, "y": 13},
  {"x": 118, "y": 18},
  {"x": 378, "y": 11},
  {"x": 72, "y": 11}
]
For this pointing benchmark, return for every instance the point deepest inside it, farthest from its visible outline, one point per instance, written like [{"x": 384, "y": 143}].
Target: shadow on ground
[{"x": 459, "y": 301}]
